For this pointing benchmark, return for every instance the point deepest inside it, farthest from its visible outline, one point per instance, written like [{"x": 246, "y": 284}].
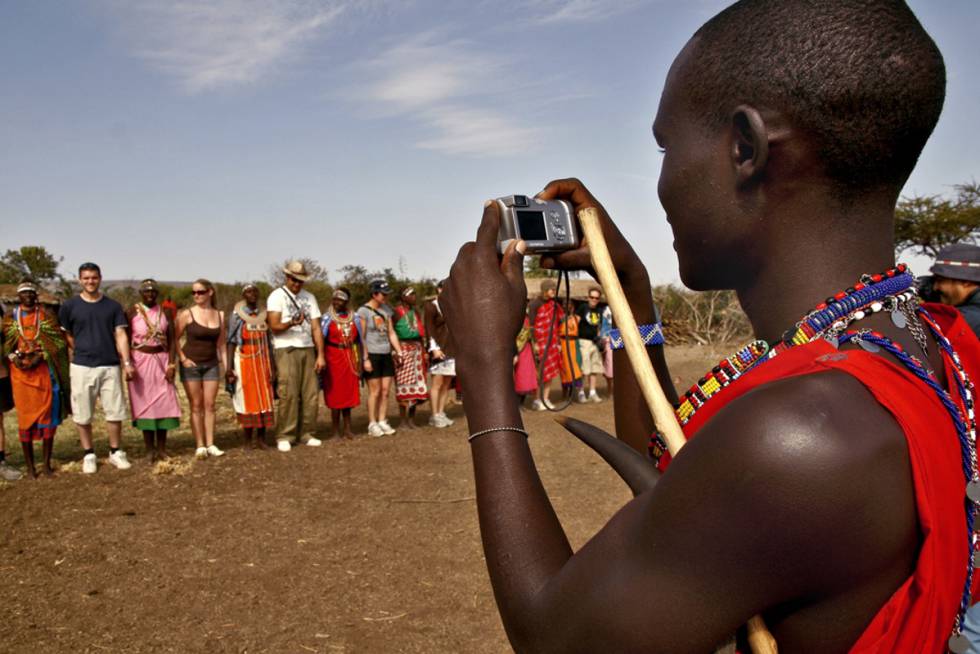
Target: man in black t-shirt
[
  {"x": 98, "y": 342},
  {"x": 590, "y": 317}
]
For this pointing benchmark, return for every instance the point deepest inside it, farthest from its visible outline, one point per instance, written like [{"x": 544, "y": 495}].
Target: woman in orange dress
[
  {"x": 38, "y": 352},
  {"x": 571, "y": 371},
  {"x": 252, "y": 372}
]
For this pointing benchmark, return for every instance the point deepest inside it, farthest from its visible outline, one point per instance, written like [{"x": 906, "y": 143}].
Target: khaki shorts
[
  {"x": 591, "y": 358},
  {"x": 102, "y": 382}
]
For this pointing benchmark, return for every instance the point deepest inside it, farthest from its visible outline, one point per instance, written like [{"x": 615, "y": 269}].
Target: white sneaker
[
  {"x": 214, "y": 451},
  {"x": 594, "y": 397},
  {"x": 446, "y": 419},
  {"x": 374, "y": 429},
  {"x": 284, "y": 445},
  {"x": 581, "y": 397},
  {"x": 118, "y": 459},
  {"x": 313, "y": 441},
  {"x": 90, "y": 464},
  {"x": 201, "y": 453},
  {"x": 386, "y": 428},
  {"x": 538, "y": 405}
]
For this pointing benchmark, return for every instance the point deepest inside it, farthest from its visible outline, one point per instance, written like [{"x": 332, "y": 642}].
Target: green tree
[
  {"x": 32, "y": 261},
  {"x": 533, "y": 269},
  {"x": 925, "y": 225}
]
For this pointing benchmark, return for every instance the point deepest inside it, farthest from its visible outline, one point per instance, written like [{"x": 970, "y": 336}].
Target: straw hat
[{"x": 298, "y": 270}]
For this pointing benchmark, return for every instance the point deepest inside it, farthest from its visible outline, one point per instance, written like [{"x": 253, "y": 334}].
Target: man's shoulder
[{"x": 798, "y": 422}]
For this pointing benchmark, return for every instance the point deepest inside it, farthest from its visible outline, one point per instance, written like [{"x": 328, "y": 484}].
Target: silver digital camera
[{"x": 545, "y": 225}]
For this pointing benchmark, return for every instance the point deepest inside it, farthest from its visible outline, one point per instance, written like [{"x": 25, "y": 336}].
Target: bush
[{"x": 705, "y": 318}]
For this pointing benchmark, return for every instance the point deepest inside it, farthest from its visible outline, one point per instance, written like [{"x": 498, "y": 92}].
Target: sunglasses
[{"x": 199, "y": 292}]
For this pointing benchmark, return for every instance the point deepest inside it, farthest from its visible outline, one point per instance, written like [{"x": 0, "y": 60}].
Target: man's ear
[{"x": 750, "y": 144}]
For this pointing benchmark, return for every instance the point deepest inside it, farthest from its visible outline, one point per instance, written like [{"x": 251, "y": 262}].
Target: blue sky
[{"x": 179, "y": 139}]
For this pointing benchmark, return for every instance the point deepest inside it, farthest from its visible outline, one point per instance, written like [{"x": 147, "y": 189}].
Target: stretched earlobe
[{"x": 750, "y": 144}]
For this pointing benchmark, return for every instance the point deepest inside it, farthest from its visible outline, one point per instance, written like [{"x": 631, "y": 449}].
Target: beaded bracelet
[
  {"x": 493, "y": 429},
  {"x": 651, "y": 335}
]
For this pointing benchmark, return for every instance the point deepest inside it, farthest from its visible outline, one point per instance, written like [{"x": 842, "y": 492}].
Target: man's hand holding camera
[{"x": 484, "y": 300}]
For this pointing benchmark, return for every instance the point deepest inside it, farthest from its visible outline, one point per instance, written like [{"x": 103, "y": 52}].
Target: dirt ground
[{"x": 370, "y": 545}]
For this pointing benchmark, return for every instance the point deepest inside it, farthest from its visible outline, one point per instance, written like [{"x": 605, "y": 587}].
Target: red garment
[
  {"x": 341, "y": 378},
  {"x": 548, "y": 318},
  {"x": 919, "y": 615}
]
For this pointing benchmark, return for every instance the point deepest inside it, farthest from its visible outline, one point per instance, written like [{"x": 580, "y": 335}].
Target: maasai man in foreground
[
  {"x": 826, "y": 487},
  {"x": 252, "y": 368},
  {"x": 410, "y": 389},
  {"x": 152, "y": 393},
  {"x": 38, "y": 353}
]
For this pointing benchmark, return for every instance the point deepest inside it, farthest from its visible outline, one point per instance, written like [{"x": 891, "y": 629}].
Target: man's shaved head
[{"x": 860, "y": 77}]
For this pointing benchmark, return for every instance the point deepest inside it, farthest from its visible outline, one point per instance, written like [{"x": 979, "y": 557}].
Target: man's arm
[
  {"x": 122, "y": 348},
  {"x": 634, "y": 424},
  {"x": 811, "y": 506},
  {"x": 321, "y": 361}
]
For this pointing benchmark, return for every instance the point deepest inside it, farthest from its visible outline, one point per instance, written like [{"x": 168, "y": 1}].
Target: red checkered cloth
[
  {"x": 35, "y": 433},
  {"x": 256, "y": 420}
]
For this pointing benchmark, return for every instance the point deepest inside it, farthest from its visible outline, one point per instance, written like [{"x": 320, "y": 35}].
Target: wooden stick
[
  {"x": 663, "y": 414},
  {"x": 660, "y": 409}
]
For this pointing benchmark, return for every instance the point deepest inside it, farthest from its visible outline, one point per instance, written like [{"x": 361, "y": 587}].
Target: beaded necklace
[
  {"x": 153, "y": 332},
  {"x": 891, "y": 291},
  {"x": 18, "y": 313}
]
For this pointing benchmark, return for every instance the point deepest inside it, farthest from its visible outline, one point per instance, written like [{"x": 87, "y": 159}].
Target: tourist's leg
[
  {"x": 374, "y": 393},
  {"x": 209, "y": 397},
  {"x": 310, "y": 402},
  {"x": 289, "y": 394},
  {"x": 195, "y": 397},
  {"x": 113, "y": 402},
  {"x": 382, "y": 406}
]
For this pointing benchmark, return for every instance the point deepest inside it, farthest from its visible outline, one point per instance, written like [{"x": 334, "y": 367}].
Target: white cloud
[
  {"x": 578, "y": 11},
  {"x": 447, "y": 87},
  {"x": 473, "y": 131},
  {"x": 222, "y": 43}
]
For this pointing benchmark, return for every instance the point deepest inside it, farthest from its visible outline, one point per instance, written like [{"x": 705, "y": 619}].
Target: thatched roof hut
[
  {"x": 8, "y": 297},
  {"x": 580, "y": 287}
]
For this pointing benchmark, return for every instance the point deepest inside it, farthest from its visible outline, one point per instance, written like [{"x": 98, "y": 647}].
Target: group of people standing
[
  {"x": 566, "y": 341},
  {"x": 276, "y": 359}
]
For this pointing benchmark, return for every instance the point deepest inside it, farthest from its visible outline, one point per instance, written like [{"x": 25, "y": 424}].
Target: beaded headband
[
  {"x": 27, "y": 286},
  {"x": 340, "y": 295}
]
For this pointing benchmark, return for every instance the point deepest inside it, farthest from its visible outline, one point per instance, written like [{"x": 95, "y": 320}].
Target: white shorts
[
  {"x": 103, "y": 383},
  {"x": 446, "y": 368},
  {"x": 591, "y": 358}
]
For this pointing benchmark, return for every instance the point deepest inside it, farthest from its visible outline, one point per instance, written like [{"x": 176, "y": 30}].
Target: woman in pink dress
[
  {"x": 152, "y": 394},
  {"x": 525, "y": 372}
]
